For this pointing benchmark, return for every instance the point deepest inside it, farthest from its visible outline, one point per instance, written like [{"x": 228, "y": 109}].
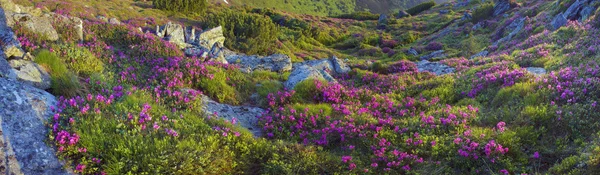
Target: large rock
[
  {"x": 558, "y": 21},
  {"x": 339, "y": 66},
  {"x": 216, "y": 53},
  {"x": 210, "y": 37},
  {"x": 6, "y": 71},
  {"x": 274, "y": 63},
  {"x": 10, "y": 45},
  {"x": 31, "y": 73},
  {"x": 501, "y": 7},
  {"x": 382, "y": 20},
  {"x": 71, "y": 22},
  {"x": 246, "y": 116},
  {"x": 304, "y": 72},
  {"x": 480, "y": 54},
  {"x": 23, "y": 111},
  {"x": 331, "y": 65},
  {"x": 173, "y": 33},
  {"x": 41, "y": 25},
  {"x": 434, "y": 67},
  {"x": 536, "y": 70},
  {"x": 586, "y": 12},
  {"x": 432, "y": 55},
  {"x": 412, "y": 51},
  {"x": 572, "y": 13},
  {"x": 515, "y": 27},
  {"x": 402, "y": 14}
]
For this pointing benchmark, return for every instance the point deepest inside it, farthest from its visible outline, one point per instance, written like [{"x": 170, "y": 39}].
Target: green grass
[{"x": 63, "y": 81}]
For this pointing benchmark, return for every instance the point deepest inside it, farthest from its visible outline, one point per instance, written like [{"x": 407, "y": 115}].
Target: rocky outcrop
[
  {"x": 246, "y": 116},
  {"x": 23, "y": 111},
  {"x": 6, "y": 71},
  {"x": 480, "y": 54},
  {"x": 579, "y": 10},
  {"x": 274, "y": 63},
  {"x": 536, "y": 70},
  {"x": 382, "y": 20},
  {"x": 515, "y": 27},
  {"x": 434, "y": 67},
  {"x": 501, "y": 6},
  {"x": 210, "y": 37},
  {"x": 304, "y": 72},
  {"x": 173, "y": 33},
  {"x": 558, "y": 21},
  {"x": 41, "y": 25},
  {"x": 332, "y": 65},
  {"x": 31, "y": 73},
  {"x": 402, "y": 14},
  {"x": 435, "y": 54},
  {"x": 11, "y": 47},
  {"x": 412, "y": 51}
]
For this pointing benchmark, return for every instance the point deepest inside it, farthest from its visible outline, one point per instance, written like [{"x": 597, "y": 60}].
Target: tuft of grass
[{"x": 64, "y": 82}]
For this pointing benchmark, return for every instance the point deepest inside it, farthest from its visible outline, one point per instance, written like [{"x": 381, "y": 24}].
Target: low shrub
[
  {"x": 360, "y": 16},
  {"x": 306, "y": 91},
  {"x": 434, "y": 46},
  {"x": 420, "y": 8},
  {"x": 484, "y": 11},
  {"x": 185, "y": 6},
  {"x": 80, "y": 60},
  {"x": 245, "y": 32}
]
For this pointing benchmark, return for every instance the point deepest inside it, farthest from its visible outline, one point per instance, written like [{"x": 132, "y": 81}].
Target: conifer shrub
[
  {"x": 185, "y": 6},
  {"x": 420, "y": 8},
  {"x": 245, "y": 32},
  {"x": 360, "y": 16}
]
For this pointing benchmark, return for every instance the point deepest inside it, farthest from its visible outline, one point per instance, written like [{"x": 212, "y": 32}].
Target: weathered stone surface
[
  {"x": 480, "y": 54},
  {"x": 114, "y": 21},
  {"x": 246, "y": 116},
  {"x": 304, "y": 72},
  {"x": 412, "y": 51},
  {"x": 467, "y": 16},
  {"x": 436, "y": 54},
  {"x": 6, "y": 71},
  {"x": 338, "y": 65},
  {"x": 586, "y": 12},
  {"x": 559, "y": 21},
  {"x": 573, "y": 11},
  {"x": 274, "y": 63},
  {"x": 536, "y": 70},
  {"x": 501, "y": 6},
  {"x": 434, "y": 67},
  {"x": 41, "y": 25},
  {"x": 173, "y": 33},
  {"x": 10, "y": 45},
  {"x": 210, "y": 37},
  {"x": 402, "y": 14},
  {"x": 23, "y": 110},
  {"x": 515, "y": 27},
  {"x": 31, "y": 73},
  {"x": 331, "y": 65},
  {"x": 216, "y": 53},
  {"x": 194, "y": 51},
  {"x": 382, "y": 20}
]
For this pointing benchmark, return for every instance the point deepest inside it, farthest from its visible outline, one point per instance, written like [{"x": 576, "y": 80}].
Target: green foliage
[
  {"x": 64, "y": 83},
  {"x": 484, "y": 11},
  {"x": 306, "y": 91},
  {"x": 319, "y": 8},
  {"x": 420, "y": 8},
  {"x": 184, "y": 6},
  {"x": 314, "y": 109},
  {"x": 80, "y": 60},
  {"x": 227, "y": 86},
  {"x": 245, "y": 32},
  {"x": 360, "y": 16}
]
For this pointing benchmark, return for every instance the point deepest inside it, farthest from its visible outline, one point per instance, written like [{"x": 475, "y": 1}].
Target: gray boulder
[
  {"x": 413, "y": 52},
  {"x": 515, "y": 27},
  {"x": 6, "y": 71},
  {"x": 586, "y": 12},
  {"x": 31, "y": 73},
  {"x": 216, "y": 53},
  {"x": 24, "y": 111},
  {"x": 480, "y": 54},
  {"x": 501, "y": 6},
  {"x": 114, "y": 21},
  {"x": 573, "y": 11},
  {"x": 246, "y": 116},
  {"x": 304, "y": 72},
  {"x": 536, "y": 70},
  {"x": 559, "y": 21},
  {"x": 434, "y": 67},
  {"x": 339, "y": 66},
  {"x": 402, "y": 14},
  {"x": 382, "y": 20},
  {"x": 274, "y": 63},
  {"x": 210, "y": 37},
  {"x": 10, "y": 45},
  {"x": 41, "y": 25},
  {"x": 435, "y": 54},
  {"x": 173, "y": 33},
  {"x": 332, "y": 65}
]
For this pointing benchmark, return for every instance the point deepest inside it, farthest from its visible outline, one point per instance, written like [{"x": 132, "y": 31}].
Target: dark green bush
[
  {"x": 185, "y": 6},
  {"x": 360, "y": 16},
  {"x": 245, "y": 32},
  {"x": 420, "y": 8},
  {"x": 485, "y": 11}
]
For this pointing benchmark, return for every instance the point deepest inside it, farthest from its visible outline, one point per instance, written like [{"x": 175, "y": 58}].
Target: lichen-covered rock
[
  {"x": 246, "y": 116},
  {"x": 434, "y": 67},
  {"x": 41, "y": 25},
  {"x": 435, "y": 54},
  {"x": 173, "y": 33},
  {"x": 216, "y": 53},
  {"x": 10, "y": 45},
  {"x": 332, "y": 65},
  {"x": 210, "y": 37},
  {"x": 501, "y": 6},
  {"x": 31, "y": 73},
  {"x": 338, "y": 65},
  {"x": 23, "y": 111},
  {"x": 6, "y": 71},
  {"x": 304, "y": 72},
  {"x": 274, "y": 63}
]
